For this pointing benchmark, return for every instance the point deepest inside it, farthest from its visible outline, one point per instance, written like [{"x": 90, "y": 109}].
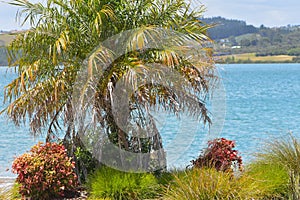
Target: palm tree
[{"x": 81, "y": 55}]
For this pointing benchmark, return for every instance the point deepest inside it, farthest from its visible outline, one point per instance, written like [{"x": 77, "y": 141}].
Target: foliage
[
  {"x": 220, "y": 155},
  {"x": 271, "y": 178},
  {"x": 45, "y": 172},
  {"x": 110, "y": 183},
  {"x": 164, "y": 178},
  {"x": 285, "y": 152},
  {"x": 208, "y": 183},
  {"x": 86, "y": 163}
]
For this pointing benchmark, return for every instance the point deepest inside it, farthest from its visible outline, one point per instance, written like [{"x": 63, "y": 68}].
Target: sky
[
  {"x": 7, "y": 17},
  {"x": 271, "y": 13},
  {"x": 256, "y": 12}
]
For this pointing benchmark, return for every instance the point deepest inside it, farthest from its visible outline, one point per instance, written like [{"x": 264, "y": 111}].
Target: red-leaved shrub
[
  {"x": 220, "y": 155},
  {"x": 46, "y": 172}
]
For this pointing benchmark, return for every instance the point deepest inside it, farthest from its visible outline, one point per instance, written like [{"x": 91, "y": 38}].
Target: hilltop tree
[
  {"x": 66, "y": 39},
  {"x": 224, "y": 28}
]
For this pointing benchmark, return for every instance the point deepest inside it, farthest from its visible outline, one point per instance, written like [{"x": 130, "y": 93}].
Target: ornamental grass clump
[
  {"x": 271, "y": 178},
  {"x": 46, "y": 172},
  {"x": 219, "y": 155},
  {"x": 208, "y": 183},
  {"x": 286, "y": 153},
  {"x": 110, "y": 183}
]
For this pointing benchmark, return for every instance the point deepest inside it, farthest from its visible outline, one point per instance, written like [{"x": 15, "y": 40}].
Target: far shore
[{"x": 253, "y": 58}]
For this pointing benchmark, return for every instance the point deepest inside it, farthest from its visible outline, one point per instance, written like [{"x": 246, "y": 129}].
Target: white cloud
[{"x": 256, "y": 12}]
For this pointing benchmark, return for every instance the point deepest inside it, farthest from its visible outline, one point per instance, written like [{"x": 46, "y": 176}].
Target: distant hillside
[
  {"x": 225, "y": 28},
  {"x": 5, "y": 39},
  {"x": 236, "y": 37},
  {"x": 267, "y": 41}
]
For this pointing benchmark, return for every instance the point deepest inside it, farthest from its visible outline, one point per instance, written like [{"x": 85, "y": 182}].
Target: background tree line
[
  {"x": 225, "y": 28},
  {"x": 235, "y": 37}
]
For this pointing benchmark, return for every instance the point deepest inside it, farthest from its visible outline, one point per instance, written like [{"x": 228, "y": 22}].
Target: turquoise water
[
  {"x": 262, "y": 102},
  {"x": 13, "y": 140}
]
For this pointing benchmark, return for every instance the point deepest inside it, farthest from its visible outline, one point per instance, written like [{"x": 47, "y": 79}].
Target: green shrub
[
  {"x": 85, "y": 163},
  {"x": 208, "y": 183},
  {"x": 111, "y": 183},
  {"x": 46, "y": 172}
]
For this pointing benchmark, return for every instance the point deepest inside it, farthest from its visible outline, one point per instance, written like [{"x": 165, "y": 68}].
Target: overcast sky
[{"x": 256, "y": 12}]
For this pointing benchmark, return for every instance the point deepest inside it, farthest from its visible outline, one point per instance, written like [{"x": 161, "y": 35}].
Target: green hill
[{"x": 225, "y": 28}]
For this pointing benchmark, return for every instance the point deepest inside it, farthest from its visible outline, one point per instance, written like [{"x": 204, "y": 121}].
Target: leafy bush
[
  {"x": 208, "y": 183},
  {"x": 45, "y": 172},
  {"x": 111, "y": 183},
  {"x": 85, "y": 163},
  {"x": 164, "y": 178},
  {"x": 220, "y": 155}
]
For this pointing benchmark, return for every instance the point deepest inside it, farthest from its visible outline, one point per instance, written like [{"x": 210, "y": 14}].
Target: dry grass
[
  {"x": 5, "y": 39},
  {"x": 211, "y": 184},
  {"x": 251, "y": 57}
]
